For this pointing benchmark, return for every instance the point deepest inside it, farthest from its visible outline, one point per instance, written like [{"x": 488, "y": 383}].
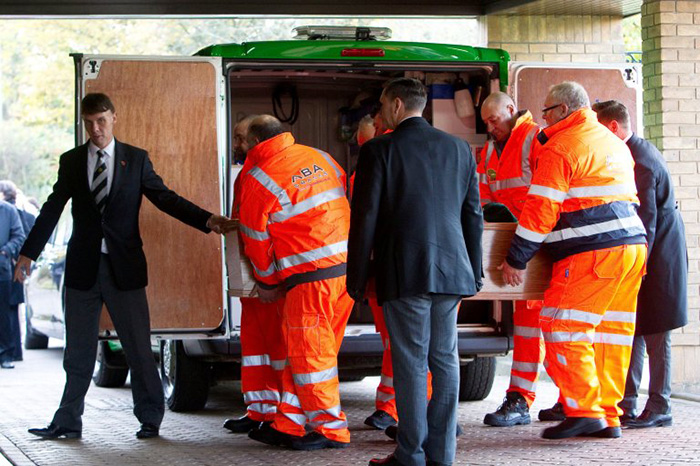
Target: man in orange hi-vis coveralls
[
  {"x": 505, "y": 171},
  {"x": 582, "y": 205},
  {"x": 263, "y": 354},
  {"x": 294, "y": 221}
]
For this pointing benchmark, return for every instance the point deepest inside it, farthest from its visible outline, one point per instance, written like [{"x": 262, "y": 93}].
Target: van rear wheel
[
  {"x": 476, "y": 379},
  {"x": 185, "y": 379}
]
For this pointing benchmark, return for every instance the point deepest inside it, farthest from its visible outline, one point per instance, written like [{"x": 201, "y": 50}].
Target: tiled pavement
[{"x": 30, "y": 393}]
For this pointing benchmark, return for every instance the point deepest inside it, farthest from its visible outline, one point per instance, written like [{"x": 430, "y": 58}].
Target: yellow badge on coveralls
[{"x": 491, "y": 173}]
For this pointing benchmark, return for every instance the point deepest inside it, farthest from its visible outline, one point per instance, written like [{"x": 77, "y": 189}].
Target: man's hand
[
  {"x": 22, "y": 269},
  {"x": 220, "y": 224},
  {"x": 269, "y": 296},
  {"x": 511, "y": 276}
]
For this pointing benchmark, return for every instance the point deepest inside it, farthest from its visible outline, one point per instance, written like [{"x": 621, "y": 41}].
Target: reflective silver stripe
[
  {"x": 549, "y": 193},
  {"x": 525, "y": 384},
  {"x": 387, "y": 381},
  {"x": 562, "y": 359},
  {"x": 261, "y": 395},
  {"x": 263, "y": 408},
  {"x": 291, "y": 399},
  {"x": 258, "y": 360},
  {"x": 312, "y": 202},
  {"x": 335, "y": 425},
  {"x": 490, "y": 149},
  {"x": 265, "y": 273},
  {"x": 384, "y": 397},
  {"x": 613, "y": 339},
  {"x": 527, "y": 332},
  {"x": 601, "y": 191},
  {"x": 529, "y": 234},
  {"x": 572, "y": 314},
  {"x": 313, "y": 255},
  {"x": 620, "y": 316},
  {"x": 483, "y": 179},
  {"x": 525, "y": 366},
  {"x": 254, "y": 234},
  {"x": 571, "y": 403},
  {"x": 269, "y": 184},
  {"x": 508, "y": 183},
  {"x": 564, "y": 337},
  {"x": 525, "y": 155},
  {"x": 330, "y": 161},
  {"x": 278, "y": 364},
  {"x": 334, "y": 411},
  {"x": 315, "y": 377},
  {"x": 298, "y": 419},
  {"x": 630, "y": 222}
]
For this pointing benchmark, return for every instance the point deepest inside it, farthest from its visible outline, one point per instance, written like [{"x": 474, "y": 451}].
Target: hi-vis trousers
[
  {"x": 528, "y": 349},
  {"x": 588, "y": 326}
]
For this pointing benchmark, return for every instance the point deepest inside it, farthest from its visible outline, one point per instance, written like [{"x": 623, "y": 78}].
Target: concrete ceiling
[{"x": 161, "y": 8}]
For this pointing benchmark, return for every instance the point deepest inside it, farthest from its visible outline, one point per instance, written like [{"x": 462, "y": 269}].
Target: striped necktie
[{"x": 99, "y": 186}]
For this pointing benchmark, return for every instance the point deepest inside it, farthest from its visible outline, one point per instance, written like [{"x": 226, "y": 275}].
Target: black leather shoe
[
  {"x": 147, "y": 431},
  {"x": 7, "y": 365},
  {"x": 649, "y": 419},
  {"x": 388, "y": 461},
  {"x": 573, "y": 426},
  {"x": 555, "y": 413},
  {"x": 627, "y": 417},
  {"x": 513, "y": 411},
  {"x": 380, "y": 419},
  {"x": 608, "y": 432},
  {"x": 316, "y": 441},
  {"x": 241, "y": 425},
  {"x": 392, "y": 431},
  {"x": 52, "y": 431},
  {"x": 268, "y": 435}
]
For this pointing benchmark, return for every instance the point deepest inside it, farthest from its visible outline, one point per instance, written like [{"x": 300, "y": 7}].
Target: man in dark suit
[
  {"x": 662, "y": 304},
  {"x": 416, "y": 211},
  {"x": 105, "y": 263},
  {"x": 11, "y": 238}
]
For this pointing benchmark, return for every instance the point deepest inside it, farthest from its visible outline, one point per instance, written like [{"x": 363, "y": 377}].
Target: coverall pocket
[
  {"x": 607, "y": 264},
  {"x": 303, "y": 335}
]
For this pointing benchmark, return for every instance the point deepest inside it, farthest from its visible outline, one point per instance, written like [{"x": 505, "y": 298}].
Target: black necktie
[{"x": 99, "y": 187}]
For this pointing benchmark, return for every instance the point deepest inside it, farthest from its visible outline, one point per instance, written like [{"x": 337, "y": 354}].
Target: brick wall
[
  {"x": 671, "y": 70},
  {"x": 580, "y": 39}
]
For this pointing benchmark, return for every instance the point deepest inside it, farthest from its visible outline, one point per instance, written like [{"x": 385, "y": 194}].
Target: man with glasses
[{"x": 582, "y": 206}]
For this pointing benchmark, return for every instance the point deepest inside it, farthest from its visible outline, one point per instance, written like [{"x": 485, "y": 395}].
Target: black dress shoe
[
  {"x": 52, "y": 431},
  {"x": 608, "y": 432},
  {"x": 316, "y": 441},
  {"x": 392, "y": 431},
  {"x": 241, "y": 425},
  {"x": 573, "y": 426},
  {"x": 627, "y": 417},
  {"x": 380, "y": 419},
  {"x": 388, "y": 461},
  {"x": 268, "y": 435},
  {"x": 147, "y": 431},
  {"x": 649, "y": 419},
  {"x": 555, "y": 413},
  {"x": 7, "y": 365}
]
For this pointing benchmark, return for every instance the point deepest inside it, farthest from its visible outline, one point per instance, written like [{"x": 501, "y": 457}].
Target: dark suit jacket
[
  {"x": 416, "y": 209},
  {"x": 662, "y": 303},
  {"x": 119, "y": 225},
  {"x": 17, "y": 290}
]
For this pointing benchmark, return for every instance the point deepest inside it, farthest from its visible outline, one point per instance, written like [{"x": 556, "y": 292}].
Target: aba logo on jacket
[{"x": 309, "y": 176}]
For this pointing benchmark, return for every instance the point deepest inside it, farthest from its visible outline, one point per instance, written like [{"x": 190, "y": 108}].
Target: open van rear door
[
  {"x": 173, "y": 108},
  {"x": 530, "y": 83}
]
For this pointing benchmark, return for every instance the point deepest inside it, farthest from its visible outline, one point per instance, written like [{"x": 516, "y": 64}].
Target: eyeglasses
[{"x": 552, "y": 107}]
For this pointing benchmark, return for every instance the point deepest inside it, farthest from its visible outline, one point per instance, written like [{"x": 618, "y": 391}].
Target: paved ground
[{"x": 29, "y": 394}]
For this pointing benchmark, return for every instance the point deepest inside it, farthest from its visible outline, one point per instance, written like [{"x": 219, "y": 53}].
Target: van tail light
[{"x": 362, "y": 53}]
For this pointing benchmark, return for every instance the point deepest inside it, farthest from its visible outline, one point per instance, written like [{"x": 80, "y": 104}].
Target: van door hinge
[{"x": 91, "y": 68}]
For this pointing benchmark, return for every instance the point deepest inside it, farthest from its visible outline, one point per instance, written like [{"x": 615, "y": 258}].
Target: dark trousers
[
  {"x": 7, "y": 336},
  {"x": 658, "y": 346},
  {"x": 14, "y": 318},
  {"x": 129, "y": 313}
]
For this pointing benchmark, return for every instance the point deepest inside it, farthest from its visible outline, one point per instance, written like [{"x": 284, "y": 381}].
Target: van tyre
[
  {"x": 185, "y": 379},
  {"x": 33, "y": 339},
  {"x": 111, "y": 370},
  {"x": 476, "y": 379}
]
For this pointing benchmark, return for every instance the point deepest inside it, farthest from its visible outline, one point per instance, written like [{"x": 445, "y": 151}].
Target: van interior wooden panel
[
  {"x": 169, "y": 109},
  {"x": 533, "y": 85}
]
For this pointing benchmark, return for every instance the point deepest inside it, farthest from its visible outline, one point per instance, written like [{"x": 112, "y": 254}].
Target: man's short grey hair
[{"x": 570, "y": 93}]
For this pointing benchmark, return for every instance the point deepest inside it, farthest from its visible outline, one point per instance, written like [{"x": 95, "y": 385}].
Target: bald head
[
  {"x": 262, "y": 128},
  {"x": 500, "y": 114},
  {"x": 240, "y": 138}
]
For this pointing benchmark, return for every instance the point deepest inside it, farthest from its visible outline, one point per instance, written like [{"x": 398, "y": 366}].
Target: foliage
[{"x": 632, "y": 33}]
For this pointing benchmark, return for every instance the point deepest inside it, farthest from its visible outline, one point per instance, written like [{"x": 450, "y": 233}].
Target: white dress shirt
[{"x": 92, "y": 164}]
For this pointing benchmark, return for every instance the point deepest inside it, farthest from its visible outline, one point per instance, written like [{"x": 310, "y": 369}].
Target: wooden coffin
[{"x": 496, "y": 241}]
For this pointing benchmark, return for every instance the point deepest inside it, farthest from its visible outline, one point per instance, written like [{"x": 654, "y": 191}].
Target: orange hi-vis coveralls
[
  {"x": 505, "y": 178},
  {"x": 295, "y": 220},
  {"x": 582, "y": 206},
  {"x": 263, "y": 354}
]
